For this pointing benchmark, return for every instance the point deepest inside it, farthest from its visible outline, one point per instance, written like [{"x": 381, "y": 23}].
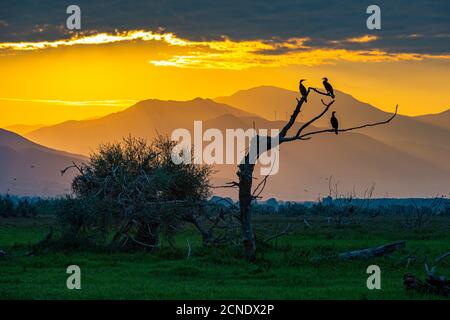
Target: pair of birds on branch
[{"x": 329, "y": 88}]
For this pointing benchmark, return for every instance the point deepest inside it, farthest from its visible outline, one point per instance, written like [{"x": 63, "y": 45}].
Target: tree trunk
[{"x": 245, "y": 175}]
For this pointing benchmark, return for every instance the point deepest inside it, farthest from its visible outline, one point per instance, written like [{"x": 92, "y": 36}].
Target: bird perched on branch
[
  {"x": 334, "y": 122},
  {"x": 328, "y": 87},
  {"x": 303, "y": 90}
]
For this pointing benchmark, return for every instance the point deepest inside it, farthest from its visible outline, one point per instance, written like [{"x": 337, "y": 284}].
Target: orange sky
[{"x": 55, "y": 81}]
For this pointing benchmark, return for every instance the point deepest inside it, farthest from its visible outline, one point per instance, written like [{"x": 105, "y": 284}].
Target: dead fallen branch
[
  {"x": 373, "y": 252},
  {"x": 437, "y": 285},
  {"x": 433, "y": 284},
  {"x": 442, "y": 257},
  {"x": 429, "y": 286}
]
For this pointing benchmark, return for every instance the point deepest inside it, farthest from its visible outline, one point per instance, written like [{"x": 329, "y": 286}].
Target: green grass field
[{"x": 286, "y": 269}]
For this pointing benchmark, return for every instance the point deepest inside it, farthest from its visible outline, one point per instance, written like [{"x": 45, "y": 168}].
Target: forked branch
[
  {"x": 297, "y": 110},
  {"x": 308, "y": 135},
  {"x": 74, "y": 165},
  {"x": 308, "y": 123}
]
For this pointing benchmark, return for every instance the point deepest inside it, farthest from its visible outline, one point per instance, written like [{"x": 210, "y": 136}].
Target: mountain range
[
  {"x": 410, "y": 157},
  {"x": 441, "y": 119},
  {"x": 144, "y": 119},
  {"x": 426, "y": 137},
  {"x": 27, "y": 168}
]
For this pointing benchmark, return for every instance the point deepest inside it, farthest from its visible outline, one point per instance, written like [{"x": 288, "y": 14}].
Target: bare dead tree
[
  {"x": 349, "y": 205},
  {"x": 247, "y": 166},
  {"x": 420, "y": 215}
]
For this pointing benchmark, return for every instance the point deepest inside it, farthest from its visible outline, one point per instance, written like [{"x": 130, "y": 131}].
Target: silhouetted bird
[
  {"x": 328, "y": 87},
  {"x": 302, "y": 89},
  {"x": 334, "y": 122}
]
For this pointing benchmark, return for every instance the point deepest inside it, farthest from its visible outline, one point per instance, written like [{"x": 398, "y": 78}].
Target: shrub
[{"x": 134, "y": 190}]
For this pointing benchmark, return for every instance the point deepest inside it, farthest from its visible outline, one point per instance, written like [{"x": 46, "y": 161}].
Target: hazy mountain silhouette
[
  {"x": 412, "y": 135},
  {"x": 411, "y": 158},
  {"x": 144, "y": 119},
  {"x": 355, "y": 160},
  {"x": 441, "y": 119},
  {"x": 27, "y": 168},
  {"x": 22, "y": 129},
  {"x": 264, "y": 100}
]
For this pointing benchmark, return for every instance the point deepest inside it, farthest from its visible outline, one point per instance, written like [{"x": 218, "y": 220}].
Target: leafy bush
[{"x": 134, "y": 190}]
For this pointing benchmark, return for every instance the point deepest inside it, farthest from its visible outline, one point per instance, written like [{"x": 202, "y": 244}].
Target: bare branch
[
  {"x": 257, "y": 193},
  {"x": 442, "y": 257},
  {"x": 74, "y": 165},
  {"x": 306, "y": 136},
  {"x": 327, "y": 106},
  {"x": 231, "y": 184},
  {"x": 307, "y": 124},
  {"x": 319, "y": 92},
  {"x": 294, "y": 116}
]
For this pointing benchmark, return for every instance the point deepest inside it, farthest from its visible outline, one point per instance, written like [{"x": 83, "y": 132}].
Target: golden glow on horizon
[
  {"x": 91, "y": 76},
  {"x": 106, "y": 103},
  {"x": 49, "y": 112}
]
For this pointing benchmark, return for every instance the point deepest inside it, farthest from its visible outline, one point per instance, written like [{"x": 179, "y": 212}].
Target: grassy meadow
[{"x": 287, "y": 267}]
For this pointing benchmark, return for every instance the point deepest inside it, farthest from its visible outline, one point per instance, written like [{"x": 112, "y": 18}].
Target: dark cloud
[{"x": 322, "y": 21}]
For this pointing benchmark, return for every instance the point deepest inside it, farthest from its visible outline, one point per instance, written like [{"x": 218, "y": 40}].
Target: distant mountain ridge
[
  {"x": 441, "y": 119},
  {"x": 144, "y": 119},
  {"x": 406, "y": 158},
  {"x": 27, "y": 168},
  {"x": 354, "y": 160},
  {"x": 418, "y": 136},
  {"x": 265, "y": 100},
  {"x": 23, "y": 129}
]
